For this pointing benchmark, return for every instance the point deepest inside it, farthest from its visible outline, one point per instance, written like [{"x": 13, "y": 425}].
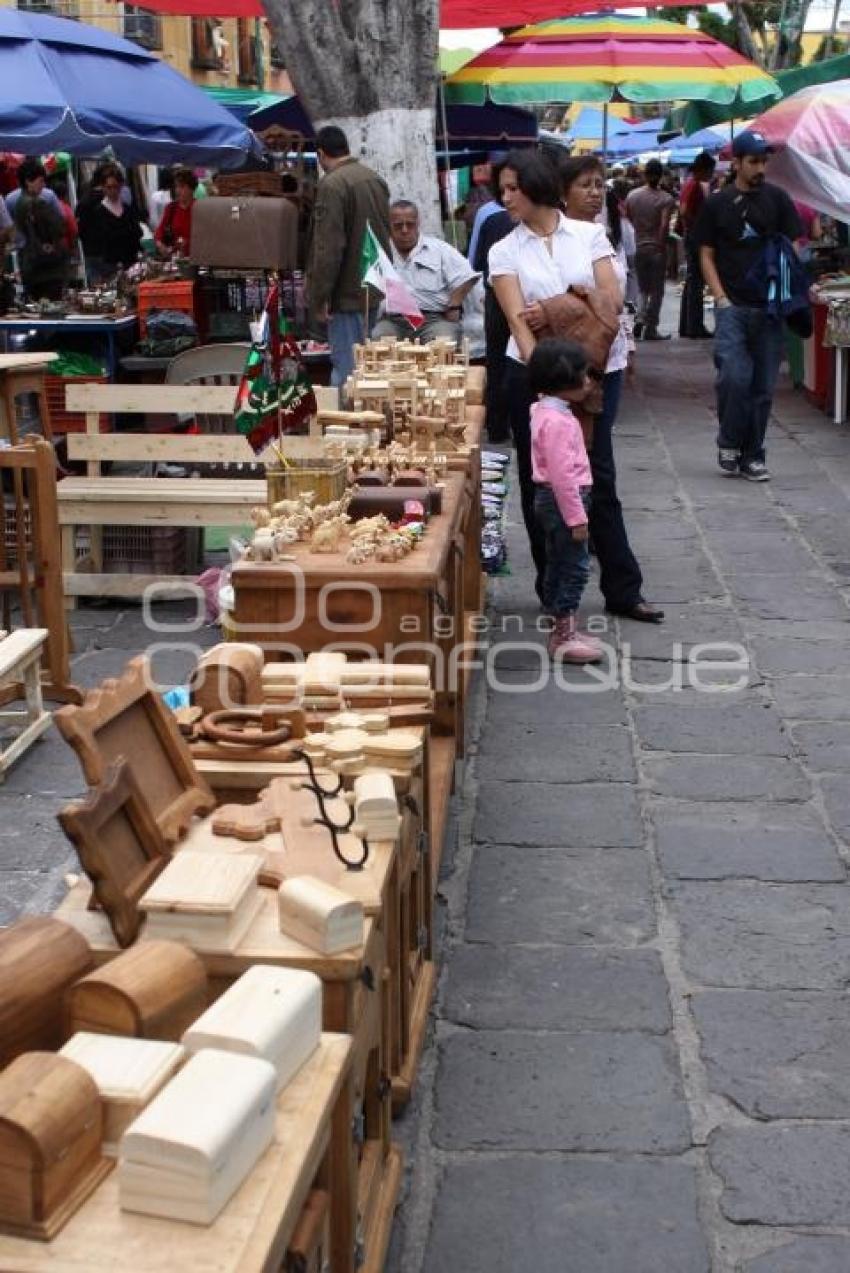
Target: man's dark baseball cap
[{"x": 750, "y": 143}]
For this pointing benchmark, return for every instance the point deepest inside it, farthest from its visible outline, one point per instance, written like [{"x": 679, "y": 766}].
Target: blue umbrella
[{"x": 67, "y": 86}]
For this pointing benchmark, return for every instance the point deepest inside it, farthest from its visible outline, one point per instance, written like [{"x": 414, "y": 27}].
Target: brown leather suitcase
[{"x": 240, "y": 232}]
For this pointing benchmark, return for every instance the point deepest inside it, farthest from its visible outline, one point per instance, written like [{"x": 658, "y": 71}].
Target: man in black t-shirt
[{"x": 731, "y": 232}]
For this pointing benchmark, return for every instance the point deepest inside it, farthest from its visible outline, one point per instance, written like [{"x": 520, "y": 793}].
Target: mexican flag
[{"x": 378, "y": 271}]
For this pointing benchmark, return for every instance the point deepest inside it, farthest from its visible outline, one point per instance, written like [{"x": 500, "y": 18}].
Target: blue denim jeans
[
  {"x": 748, "y": 346},
  {"x": 567, "y": 559},
  {"x": 345, "y": 330}
]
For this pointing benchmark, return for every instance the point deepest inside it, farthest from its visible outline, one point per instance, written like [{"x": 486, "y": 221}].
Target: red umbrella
[{"x": 453, "y": 13}]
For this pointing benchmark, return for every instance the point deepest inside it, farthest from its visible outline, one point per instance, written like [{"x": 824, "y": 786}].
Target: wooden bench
[
  {"x": 20, "y": 657},
  {"x": 99, "y": 500}
]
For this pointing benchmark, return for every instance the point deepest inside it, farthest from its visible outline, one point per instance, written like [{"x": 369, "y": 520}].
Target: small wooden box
[
  {"x": 39, "y": 958},
  {"x": 128, "y": 1074},
  {"x": 273, "y": 1013},
  {"x": 209, "y": 900},
  {"x": 190, "y": 1150},
  {"x": 152, "y": 991},
  {"x": 50, "y": 1130},
  {"x": 319, "y": 915},
  {"x": 229, "y": 675}
]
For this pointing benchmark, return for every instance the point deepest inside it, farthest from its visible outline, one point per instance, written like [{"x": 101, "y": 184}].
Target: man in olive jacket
[{"x": 349, "y": 195}]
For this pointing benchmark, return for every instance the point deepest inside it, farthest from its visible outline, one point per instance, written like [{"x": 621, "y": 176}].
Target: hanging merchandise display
[{"x": 275, "y": 394}]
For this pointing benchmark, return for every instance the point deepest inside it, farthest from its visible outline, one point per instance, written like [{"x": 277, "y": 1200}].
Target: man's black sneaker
[
  {"x": 728, "y": 460},
  {"x": 754, "y": 471}
]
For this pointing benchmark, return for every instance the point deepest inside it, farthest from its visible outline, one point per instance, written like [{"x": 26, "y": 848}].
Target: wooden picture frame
[
  {"x": 119, "y": 845},
  {"x": 125, "y": 718}
]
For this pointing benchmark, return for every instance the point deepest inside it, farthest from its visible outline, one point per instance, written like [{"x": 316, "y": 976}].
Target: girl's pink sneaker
[{"x": 571, "y": 646}]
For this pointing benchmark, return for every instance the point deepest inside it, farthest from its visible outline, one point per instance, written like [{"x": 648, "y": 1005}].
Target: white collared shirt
[
  {"x": 576, "y": 246},
  {"x": 432, "y": 270}
]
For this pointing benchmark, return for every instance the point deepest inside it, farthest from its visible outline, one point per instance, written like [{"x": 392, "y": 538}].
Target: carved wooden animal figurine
[{"x": 326, "y": 537}]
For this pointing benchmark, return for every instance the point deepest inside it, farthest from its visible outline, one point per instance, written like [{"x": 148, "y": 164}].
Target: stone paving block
[
  {"x": 544, "y": 699},
  {"x": 784, "y": 597},
  {"x": 566, "y": 1215},
  {"x": 169, "y": 666},
  {"x": 781, "y": 842},
  {"x": 580, "y": 753},
  {"x": 693, "y": 681},
  {"x": 683, "y": 627},
  {"x": 759, "y": 553},
  {"x": 32, "y": 839},
  {"x": 540, "y": 814},
  {"x": 837, "y": 800},
  {"x": 804, "y": 1255},
  {"x": 560, "y": 896},
  {"x": 835, "y": 630},
  {"x": 764, "y": 936},
  {"x": 825, "y": 748},
  {"x": 783, "y": 1175},
  {"x": 813, "y": 697},
  {"x": 778, "y": 657},
  {"x": 24, "y": 891},
  {"x": 689, "y": 777},
  {"x": 553, "y": 988},
  {"x": 777, "y": 1055},
  {"x": 508, "y": 1089},
  {"x": 752, "y": 728},
  {"x": 48, "y": 768}
]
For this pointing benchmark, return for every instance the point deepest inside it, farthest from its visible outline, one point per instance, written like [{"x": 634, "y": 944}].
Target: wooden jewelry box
[
  {"x": 319, "y": 915},
  {"x": 128, "y": 1074},
  {"x": 50, "y": 1132},
  {"x": 152, "y": 991},
  {"x": 190, "y": 1150},
  {"x": 206, "y": 899},
  {"x": 273, "y": 1013},
  {"x": 39, "y": 958}
]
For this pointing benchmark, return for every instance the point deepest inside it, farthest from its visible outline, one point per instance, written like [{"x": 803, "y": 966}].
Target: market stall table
[
  {"x": 311, "y": 1146},
  {"x": 108, "y": 329}
]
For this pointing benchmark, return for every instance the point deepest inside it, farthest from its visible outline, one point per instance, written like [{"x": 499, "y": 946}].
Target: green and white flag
[{"x": 378, "y": 271}]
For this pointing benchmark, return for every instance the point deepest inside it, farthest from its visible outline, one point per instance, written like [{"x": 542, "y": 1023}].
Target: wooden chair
[{"x": 20, "y": 664}]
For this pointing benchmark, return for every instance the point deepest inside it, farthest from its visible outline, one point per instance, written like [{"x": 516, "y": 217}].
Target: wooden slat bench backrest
[{"x": 212, "y": 448}]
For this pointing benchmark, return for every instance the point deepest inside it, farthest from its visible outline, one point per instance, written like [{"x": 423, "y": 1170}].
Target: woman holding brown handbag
[{"x": 549, "y": 255}]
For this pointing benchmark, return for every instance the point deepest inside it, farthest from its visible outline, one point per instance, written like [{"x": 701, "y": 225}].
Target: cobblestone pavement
[{"x": 639, "y": 1058}]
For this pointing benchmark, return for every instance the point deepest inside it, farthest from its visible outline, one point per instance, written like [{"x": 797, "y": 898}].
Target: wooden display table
[
  {"x": 311, "y": 1151},
  {"x": 356, "y": 1001},
  {"x": 410, "y": 610}
]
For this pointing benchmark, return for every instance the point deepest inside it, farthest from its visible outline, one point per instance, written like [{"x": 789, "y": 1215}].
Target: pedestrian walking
[
  {"x": 733, "y": 232},
  {"x": 695, "y": 191},
  {"x": 348, "y": 197},
  {"x": 649, "y": 209},
  {"x": 557, "y": 374}
]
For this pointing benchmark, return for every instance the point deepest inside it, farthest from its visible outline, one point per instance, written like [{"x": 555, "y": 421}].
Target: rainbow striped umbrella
[{"x": 596, "y": 57}]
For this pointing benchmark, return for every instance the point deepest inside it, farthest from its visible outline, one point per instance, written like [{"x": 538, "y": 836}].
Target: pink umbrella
[{"x": 811, "y": 133}]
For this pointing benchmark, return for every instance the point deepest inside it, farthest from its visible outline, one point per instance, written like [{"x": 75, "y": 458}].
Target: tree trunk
[
  {"x": 370, "y": 66},
  {"x": 746, "y": 42}
]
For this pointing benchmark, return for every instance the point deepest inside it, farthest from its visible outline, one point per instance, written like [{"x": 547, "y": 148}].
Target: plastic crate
[
  {"x": 61, "y": 420},
  {"x": 148, "y": 550},
  {"x": 178, "y": 294}
]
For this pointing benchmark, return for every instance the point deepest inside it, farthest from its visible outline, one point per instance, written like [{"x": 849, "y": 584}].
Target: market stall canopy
[
  {"x": 811, "y": 133},
  {"x": 68, "y": 86},
  {"x": 595, "y": 57},
  {"x": 486, "y": 127},
  {"x": 696, "y": 115},
  {"x": 454, "y": 14}
]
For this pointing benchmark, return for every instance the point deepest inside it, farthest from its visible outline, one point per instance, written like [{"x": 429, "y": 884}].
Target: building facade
[{"x": 213, "y": 53}]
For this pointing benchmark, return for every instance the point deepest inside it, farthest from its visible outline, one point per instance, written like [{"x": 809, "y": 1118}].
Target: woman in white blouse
[{"x": 546, "y": 254}]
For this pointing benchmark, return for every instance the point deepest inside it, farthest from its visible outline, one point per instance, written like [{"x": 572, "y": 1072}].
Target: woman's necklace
[{"x": 547, "y": 235}]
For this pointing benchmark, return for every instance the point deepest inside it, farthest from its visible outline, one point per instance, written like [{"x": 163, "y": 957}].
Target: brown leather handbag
[{"x": 586, "y": 316}]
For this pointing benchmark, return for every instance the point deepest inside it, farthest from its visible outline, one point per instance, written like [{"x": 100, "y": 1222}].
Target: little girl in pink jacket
[{"x": 557, "y": 371}]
